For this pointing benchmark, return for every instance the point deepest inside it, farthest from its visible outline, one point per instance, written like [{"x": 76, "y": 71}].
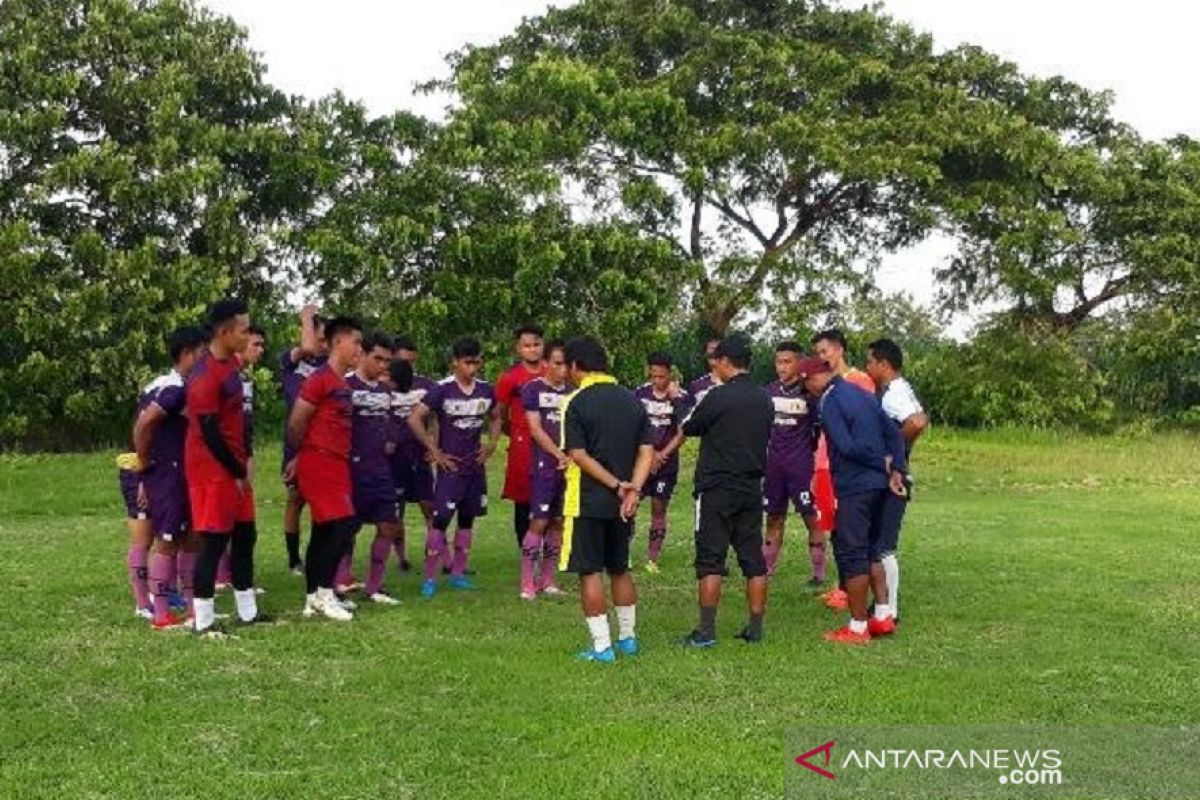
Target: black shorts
[
  {"x": 729, "y": 519},
  {"x": 859, "y": 531},
  {"x": 591, "y": 544}
]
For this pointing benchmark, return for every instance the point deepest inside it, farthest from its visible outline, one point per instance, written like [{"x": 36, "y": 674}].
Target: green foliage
[
  {"x": 1006, "y": 376},
  {"x": 144, "y": 161}
]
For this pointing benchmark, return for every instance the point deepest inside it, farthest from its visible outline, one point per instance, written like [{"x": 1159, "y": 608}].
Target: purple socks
[{"x": 139, "y": 574}]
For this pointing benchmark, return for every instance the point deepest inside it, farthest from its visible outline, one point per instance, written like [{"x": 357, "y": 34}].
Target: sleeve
[
  {"x": 433, "y": 398},
  {"x": 172, "y": 400},
  {"x": 504, "y": 389},
  {"x": 203, "y": 395},
  {"x": 683, "y": 406},
  {"x": 900, "y": 403},
  {"x": 702, "y": 415},
  {"x": 529, "y": 397},
  {"x": 315, "y": 388},
  {"x": 573, "y": 434},
  {"x": 838, "y": 431}
]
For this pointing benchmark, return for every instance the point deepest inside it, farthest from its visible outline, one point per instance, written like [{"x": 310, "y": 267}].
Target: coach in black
[
  {"x": 733, "y": 422},
  {"x": 606, "y": 434}
]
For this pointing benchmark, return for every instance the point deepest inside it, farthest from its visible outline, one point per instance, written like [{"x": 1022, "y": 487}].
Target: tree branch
[
  {"x": 697, "y": 209},
  {"x": 745, "y": 222}
]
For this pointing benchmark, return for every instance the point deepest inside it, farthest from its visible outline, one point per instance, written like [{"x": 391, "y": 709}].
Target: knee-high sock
[
  {"x": 891, "y": 569},
  {"x": 551, "y": 547},
  {"x": 185, "y": 563},
  {"x": 435, "y": 552},
  {"x": 345, "y": 571},
  {"x": 771, "y": 554},
  {"x": 816, "y": 553},
  {"x": 462, "y": 549},
  {"x": 658, "y": 536},
  {"x": 162, "y": 580},
  {"x": 380, "y": 547},
  {"x": 531, "y": 550},
  {"x": 139, "y": 574},
  {"x": 224, "y": 571}
]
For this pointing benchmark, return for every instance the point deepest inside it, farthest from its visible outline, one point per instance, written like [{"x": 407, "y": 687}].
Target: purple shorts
[
  {"x": 373, "y": 495},
  {"x": 786, "y": 483},
  {"x": 412, "y": 480},
  {"x": 129, "y": 490},
  {"x": 546, "y": 499},
  {"x": 167, "y": 491},
  {"x": 466, "y": 494},
  {"x": 660, "y": 486}
]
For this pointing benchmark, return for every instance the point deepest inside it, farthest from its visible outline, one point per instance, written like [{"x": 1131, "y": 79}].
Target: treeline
[{"x": 638, "y": 171}]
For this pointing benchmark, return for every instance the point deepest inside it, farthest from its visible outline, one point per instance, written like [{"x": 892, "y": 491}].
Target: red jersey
[
  {"x": 214, "y": 387},
  {"x": 330, "y": 428},
  {"x": 508, "y": 394}
]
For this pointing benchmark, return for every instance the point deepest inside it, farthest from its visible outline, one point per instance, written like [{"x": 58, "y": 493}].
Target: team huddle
[{"x": 366, "y": 436}]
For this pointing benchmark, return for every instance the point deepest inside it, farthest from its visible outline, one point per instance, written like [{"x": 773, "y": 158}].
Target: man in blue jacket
[{"x": 866, "y": 456}]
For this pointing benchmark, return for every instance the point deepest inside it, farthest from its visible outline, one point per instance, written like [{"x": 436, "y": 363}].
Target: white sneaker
[
  {"x": 327, "y": 603},
  {"x": 144, "y": 613},
  {"x": 259, "y": 590},
  {"x": 553, "y": 591},
  {"x": 528, "y": 594},
  {"x": 345, "y": 602},
  {"x": 310, "y": 606},
  {"x": 384, "y": 598}
]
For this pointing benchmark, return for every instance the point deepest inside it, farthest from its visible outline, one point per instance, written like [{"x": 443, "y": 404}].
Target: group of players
[{"x": 366, "y": 435}]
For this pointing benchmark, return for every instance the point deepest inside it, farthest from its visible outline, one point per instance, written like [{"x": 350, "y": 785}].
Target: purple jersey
[
  {"x": 407, "y": 446},
  {"x": 371, "y": 429},
  {"x": 665, "y": 417},
  {"x": 540, "y": 396},
  {"x": 295, "y": 373},
  {"x": 461, "y": 417},
  {"x": 166, "y": 444},
  {"x": 701, "y": 387},
  {"x": 791, "y": 443}
]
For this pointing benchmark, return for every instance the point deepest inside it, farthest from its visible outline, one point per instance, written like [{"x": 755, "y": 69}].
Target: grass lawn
[{"x": 1046, "y": 579}]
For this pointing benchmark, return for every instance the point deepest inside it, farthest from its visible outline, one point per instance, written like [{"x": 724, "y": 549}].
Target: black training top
[
  {"x": 734, "y": 422},
  {"x": 610, "y": 423}
]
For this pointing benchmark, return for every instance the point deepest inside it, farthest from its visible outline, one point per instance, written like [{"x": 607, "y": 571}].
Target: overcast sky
[{"x": 377, "y": 50}]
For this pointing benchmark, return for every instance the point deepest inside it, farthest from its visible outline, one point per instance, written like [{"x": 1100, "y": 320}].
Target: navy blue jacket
[{"x": 860, "y": 435}]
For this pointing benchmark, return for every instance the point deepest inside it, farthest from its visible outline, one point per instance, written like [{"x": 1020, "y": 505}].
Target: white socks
[
  {"x": 601, "y": 636},
  {"x": 891, "y": 569},
  {"x": 882, "y": 611},
  {"x": 858, "y": 625},
  {"x": 626, "y": 621},
  {"x": 247, "y": 604},
  {"x": 205, "y": 616}
]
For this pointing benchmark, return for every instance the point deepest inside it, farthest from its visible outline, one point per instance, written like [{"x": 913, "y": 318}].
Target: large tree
[
  {"x": 770, "y": 142},
  {"x": 143, "y": 165},
  {"x": 407, "y": 233}
]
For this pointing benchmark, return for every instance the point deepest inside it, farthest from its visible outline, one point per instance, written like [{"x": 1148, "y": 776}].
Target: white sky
[{"x": 377, "y": 50}]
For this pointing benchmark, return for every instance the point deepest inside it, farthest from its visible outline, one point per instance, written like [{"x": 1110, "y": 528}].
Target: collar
[{"x": 596, "y": 378}]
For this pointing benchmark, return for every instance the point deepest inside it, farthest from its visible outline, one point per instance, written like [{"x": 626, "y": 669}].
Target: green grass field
[{"x": 1046, "y": 579}]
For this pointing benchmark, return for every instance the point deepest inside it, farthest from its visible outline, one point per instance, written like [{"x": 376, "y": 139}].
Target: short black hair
[
  {"x": 889, "y": 351},
  {"x": 257, "y": 330},
  {"x": 789, "y": 346},
  {"x": 552, "y": 345},
  {"x": 465, "y": 347},
  {"x": 222, "y": 312},
  {"x": 834, "y": 335},
  {"x": 377, "y": 339},
  {"x": 401, "y": 373},
  {"x": 183, "y": 339},
  {"x": 529, "y": 330},
  {"x": 339, "y": 325},
  {"x": 660, "y": 358},
  {"x": 586, "y": 353},
  {"x": 737, "y": 349},
  {"x": 404, "y": 342}
]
